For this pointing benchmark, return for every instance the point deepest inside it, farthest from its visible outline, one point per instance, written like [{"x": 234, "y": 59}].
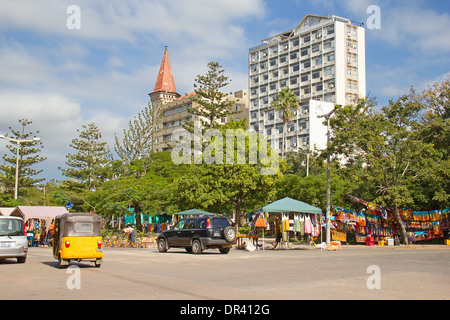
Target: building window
[
  {"x": 318, "y": 61},
  {"x": 327, "y": 44},
  {"x": 263, "y": 89},
  {"x": 330, "y": 57},
  {"x": 328, "y": 71},
  {"x": 273, "y": 62},
  {"x": 318, "y": 34},
  {"x": 304, "y": 52},
  {"x": 305, "y": 77},
  {"x": 306, "y": 39},
  {"x": 306, "y": 64}
]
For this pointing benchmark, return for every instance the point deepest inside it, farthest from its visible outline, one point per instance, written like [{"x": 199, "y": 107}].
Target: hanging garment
[
  {"x": 296, "y": 223},
  {"x": 302, "y": 224},
  {"x": 285, "y": 223},
  {"x": 260, "y": 221},
  {"x": 308, "y": 225},
  {"x": 284, "y": 236}
]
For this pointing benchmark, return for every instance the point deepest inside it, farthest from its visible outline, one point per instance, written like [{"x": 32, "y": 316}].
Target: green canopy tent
[
  {"x": 288, "y": 205},
  {"x": 195, "y": 212}
]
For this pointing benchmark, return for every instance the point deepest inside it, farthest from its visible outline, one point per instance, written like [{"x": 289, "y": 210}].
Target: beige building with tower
[{"x": 175, "y": 106}]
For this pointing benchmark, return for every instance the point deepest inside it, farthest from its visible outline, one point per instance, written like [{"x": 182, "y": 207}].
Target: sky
[{"x": 63, "y": 67}]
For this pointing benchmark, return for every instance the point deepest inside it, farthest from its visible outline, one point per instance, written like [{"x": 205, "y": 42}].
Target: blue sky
[{"x": 102, "y": 73}]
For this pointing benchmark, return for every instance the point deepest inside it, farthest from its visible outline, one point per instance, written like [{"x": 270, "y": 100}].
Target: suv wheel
[
  {"x": 224, "y": 250},
  {"x": 229, "y": 233},
  {"x": 162, "y": 247},
  {"x": 196, "y": 247},
  {"x": 21, "y": 259}
]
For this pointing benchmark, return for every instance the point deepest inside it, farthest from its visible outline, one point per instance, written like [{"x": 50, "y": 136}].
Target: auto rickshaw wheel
[
  {"x": 62, "y": 264},
  {"x": 98, "y": 263}
]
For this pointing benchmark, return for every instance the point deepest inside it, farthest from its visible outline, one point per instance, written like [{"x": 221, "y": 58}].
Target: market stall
[
  {"x": 38, "y": 219},
  {"x": 294, "y": 216},
  {"x": 194, "y": 212},
  {"x": 4, "y": 211},
  {"x": 374, "y": 223}
]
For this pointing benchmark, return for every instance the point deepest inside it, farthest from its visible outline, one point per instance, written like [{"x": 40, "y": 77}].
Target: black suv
[{"x": 197, "y": 234}]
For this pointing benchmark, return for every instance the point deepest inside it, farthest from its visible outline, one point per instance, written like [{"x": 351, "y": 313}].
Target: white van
[{"x": 13, "y": 242}]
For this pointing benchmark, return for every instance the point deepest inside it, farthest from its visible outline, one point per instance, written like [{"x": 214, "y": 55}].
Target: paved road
[{"x": 405, "y": 273}]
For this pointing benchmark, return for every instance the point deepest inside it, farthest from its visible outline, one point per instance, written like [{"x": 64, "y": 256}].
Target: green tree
[
  {"x": 386, "y": 147},
  {"x": 140, "y": 138},
  {"x": 435, "y": 129},
  {"x": 312, "y": 189},
  {"x": 88, "y": 166},
  {"x": 224, "y": 187},
  {"x": 285, "y": 101},
  {"x": 213, "y": 104},
  {"x": 145, "y": 185},
  {"x": 28, "y": 157}
]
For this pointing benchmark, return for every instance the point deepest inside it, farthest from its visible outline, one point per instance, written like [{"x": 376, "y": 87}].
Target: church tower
[{"x": 165, "y": 89}]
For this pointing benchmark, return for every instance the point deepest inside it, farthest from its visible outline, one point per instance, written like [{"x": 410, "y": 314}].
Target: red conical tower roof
[{"x": 165, "y": 81}]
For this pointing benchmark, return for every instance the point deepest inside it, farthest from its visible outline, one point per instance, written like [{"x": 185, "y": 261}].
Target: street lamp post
[
  {"x": 18, "y": 142},
  {"x": 308, "y": 154},
  {"x": 328, "y": 214}
]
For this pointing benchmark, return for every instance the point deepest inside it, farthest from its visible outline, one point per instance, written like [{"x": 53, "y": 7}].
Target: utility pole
[{"x": 328, "y": 213}]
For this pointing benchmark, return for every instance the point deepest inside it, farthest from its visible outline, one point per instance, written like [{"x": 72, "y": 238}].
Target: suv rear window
[
  {"x": 220, "y": 222},
  {"x": 11, "y": 227}
]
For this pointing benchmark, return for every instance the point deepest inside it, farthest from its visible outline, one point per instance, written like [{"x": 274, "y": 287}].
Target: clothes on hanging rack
[
  {"x": 308, "y": 225},
  {"x": 296, "y": 223}
]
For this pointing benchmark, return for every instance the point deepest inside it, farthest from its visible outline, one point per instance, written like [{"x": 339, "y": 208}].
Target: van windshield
[{"x": 11, "y": 227}]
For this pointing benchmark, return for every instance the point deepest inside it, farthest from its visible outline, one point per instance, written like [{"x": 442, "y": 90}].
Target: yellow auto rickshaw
[{"x": 77, "y": 236}]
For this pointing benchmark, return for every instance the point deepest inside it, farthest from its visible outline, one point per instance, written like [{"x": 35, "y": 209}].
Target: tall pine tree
[
  {"x": 28, "y": 157},
  {"x": 140, "y": 138},
  {"x": 213, "y": 104},
  {"x": 88, "y": 166}
]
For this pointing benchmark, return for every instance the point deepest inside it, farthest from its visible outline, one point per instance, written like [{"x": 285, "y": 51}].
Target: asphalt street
[{"x": 349, "y": 273}]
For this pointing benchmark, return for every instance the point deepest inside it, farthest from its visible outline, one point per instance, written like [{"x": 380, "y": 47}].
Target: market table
[{"x": 239, "y": 240}]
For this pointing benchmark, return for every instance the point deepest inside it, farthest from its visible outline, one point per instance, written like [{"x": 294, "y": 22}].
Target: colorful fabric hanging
[
  {"x": 296, "y": 223},
  {"x": 308, "y": 225}
]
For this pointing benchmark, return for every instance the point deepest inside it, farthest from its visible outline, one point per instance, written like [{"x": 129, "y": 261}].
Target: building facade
[
  {"x": 322, "y": 61},
  {"x": 175, "y": 107}
]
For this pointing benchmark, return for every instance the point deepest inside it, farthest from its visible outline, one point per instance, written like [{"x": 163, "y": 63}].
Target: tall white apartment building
[{"x": 322, "y": 61}]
